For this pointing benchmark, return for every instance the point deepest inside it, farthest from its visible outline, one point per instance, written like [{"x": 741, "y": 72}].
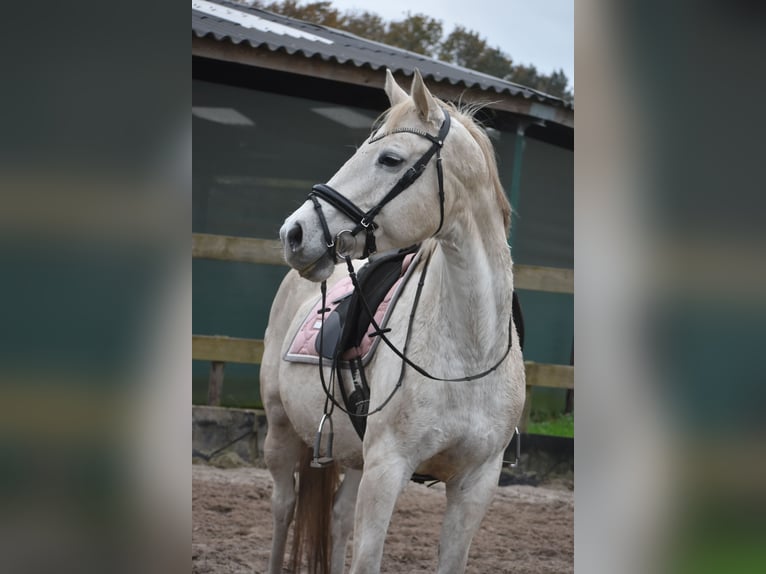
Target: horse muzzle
[{"x": 305, "y": 251}]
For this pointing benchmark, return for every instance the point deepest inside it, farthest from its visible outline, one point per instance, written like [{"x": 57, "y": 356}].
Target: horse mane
[{"x": 466, "y": 115}]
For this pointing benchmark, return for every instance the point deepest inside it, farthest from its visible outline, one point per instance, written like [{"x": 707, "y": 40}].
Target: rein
[{"x": 380, "y": 332}]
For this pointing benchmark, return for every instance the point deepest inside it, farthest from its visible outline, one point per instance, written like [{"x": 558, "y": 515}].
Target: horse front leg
[
  {"x": 343, "y": 518},
  {"x": 282, "y": 450},
  {"x": 468, "y": 497},
  {"x": 383, "y": 479}
]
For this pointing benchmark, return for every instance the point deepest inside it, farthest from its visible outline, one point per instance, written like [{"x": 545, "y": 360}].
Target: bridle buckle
[{"x": 344, "y": 247}]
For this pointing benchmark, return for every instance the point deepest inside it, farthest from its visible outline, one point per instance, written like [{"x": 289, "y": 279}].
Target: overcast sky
[{"x": 539, "y": 32}]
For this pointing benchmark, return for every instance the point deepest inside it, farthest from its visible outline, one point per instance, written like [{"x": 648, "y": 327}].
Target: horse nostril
[{"x": 295, "y": 237}]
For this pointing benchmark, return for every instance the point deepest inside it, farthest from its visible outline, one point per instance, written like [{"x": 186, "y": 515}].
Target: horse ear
[
  {"x": 395, "y": 93},
  {"x": 425, "y": 103}
]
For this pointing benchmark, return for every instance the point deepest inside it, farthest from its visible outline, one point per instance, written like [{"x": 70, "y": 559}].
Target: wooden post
[
  {"x": 526, "y": 410},
  {"x": 215, "y": 383},
  {"x": 569, "y": 406}
]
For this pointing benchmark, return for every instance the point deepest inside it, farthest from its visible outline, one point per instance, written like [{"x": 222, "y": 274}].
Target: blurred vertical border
[
  {"x": 95, "y": 162},
  {"x": 671, "y": 287}
]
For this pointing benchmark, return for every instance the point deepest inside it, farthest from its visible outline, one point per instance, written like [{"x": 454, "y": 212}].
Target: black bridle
[{"x": 365, "y": 220}]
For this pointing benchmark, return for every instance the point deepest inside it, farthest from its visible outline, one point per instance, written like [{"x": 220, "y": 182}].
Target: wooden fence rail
[
  {"x": 236, "y": 350},
  {"x": 269, "y": 252},
  {"x": 227, "y": 349},
  {"x": 241, "y": 249},
  {"x": 221, "y": 349}
]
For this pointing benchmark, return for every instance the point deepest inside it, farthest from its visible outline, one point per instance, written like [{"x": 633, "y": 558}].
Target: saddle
[
  {"x": 346, "y": 326},
  {"x": 384, "y": 277}
]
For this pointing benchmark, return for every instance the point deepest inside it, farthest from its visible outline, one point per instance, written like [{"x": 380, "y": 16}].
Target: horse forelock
[{"x": 466, "y": 115}]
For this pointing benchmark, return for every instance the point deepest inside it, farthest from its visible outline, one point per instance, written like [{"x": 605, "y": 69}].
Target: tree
[
  {"x": 466, "y": 48},
  {"x": 320, "y": 12},
  {"x": 556, "y": 84},
  {"x": 416, "y": 33},
  {"x": 495, "y": 63},
  {"x": 525, "y": 75},
  {"x": 364, "y": 24}
]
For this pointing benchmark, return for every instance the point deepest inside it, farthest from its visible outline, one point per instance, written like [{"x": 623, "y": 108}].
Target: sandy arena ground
[{"x": 527, "y": 530}]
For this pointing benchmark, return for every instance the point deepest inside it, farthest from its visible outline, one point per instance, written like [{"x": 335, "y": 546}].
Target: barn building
[{"x": 278, "y": 105}]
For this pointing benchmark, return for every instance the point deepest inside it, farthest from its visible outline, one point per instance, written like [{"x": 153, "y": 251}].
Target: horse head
[{"x": 393, "y": 192}]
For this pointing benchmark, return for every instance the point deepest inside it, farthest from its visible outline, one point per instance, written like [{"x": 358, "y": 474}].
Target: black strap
[
  {"x": 402, "y": 355},
  {"x": 366, "y": 220},
  {"x": 338, "y": 201},
  {"x": 323, "y": 221},
  {"x": 412, "y": 174},
  {"x": 440, "y": 178}
]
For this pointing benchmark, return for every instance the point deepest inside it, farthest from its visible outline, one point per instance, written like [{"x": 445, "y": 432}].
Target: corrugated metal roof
[{"x": 237, "y": 23}]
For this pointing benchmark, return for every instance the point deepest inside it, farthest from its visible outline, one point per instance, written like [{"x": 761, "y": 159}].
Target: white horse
[{"x": 455, "y": 431}]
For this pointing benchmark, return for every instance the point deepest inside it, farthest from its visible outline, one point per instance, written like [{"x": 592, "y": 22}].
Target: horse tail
[{"x": 312, "y": 536}]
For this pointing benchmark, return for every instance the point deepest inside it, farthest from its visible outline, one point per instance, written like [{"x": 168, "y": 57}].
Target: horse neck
[{"x": 470, "y": 286}]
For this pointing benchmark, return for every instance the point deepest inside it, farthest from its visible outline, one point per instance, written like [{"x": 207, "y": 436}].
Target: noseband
[{"x": 337, "y": 247}]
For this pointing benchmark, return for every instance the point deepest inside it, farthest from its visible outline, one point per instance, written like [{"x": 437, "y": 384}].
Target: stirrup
[
  {"x": 515, "y": 463},
  {"x": 327, "y": 460}
]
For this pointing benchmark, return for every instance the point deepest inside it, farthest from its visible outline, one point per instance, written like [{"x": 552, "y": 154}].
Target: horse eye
[{"x": 389, "y": 160}]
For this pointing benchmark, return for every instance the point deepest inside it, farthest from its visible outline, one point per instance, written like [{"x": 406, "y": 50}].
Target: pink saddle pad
[{"x": 303, "y": 347}]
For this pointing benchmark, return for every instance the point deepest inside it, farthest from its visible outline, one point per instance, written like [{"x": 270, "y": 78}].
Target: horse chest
[{"x": 452, "y": 415}]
